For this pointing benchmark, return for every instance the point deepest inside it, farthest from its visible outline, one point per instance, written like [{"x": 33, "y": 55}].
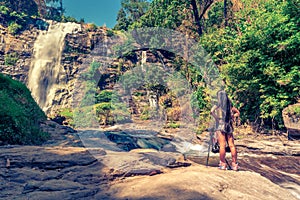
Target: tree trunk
[
  {"x": 196, "y": 16},
  {"x": 200, "y": 12},
  {"x": 225, "y": 13}
]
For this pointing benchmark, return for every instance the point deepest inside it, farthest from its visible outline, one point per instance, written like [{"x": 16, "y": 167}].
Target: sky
[{"x": 99, "y": 12}]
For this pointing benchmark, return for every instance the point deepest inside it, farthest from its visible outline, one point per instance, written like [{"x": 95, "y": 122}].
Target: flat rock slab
[
  {"x": 199, "y": 182},
  {"x": 48, "y": 158},
  {"x": 35, "y": 172}
]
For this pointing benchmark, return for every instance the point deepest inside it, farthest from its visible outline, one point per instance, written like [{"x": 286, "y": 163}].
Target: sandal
[
  {"x": 222, "y": 166},
  {"x": 235, "y": 166}
]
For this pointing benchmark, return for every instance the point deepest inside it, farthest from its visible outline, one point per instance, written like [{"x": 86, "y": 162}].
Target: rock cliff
[{"x": 16, "y": 56}]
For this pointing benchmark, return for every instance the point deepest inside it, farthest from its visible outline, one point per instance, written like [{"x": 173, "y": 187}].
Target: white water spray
[{"x": 45, "y": 67}]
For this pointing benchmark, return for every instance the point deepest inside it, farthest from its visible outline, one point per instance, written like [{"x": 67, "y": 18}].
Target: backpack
[{"x": 215, "y": 147}]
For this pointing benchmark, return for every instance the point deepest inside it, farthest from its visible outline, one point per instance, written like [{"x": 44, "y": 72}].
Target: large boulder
[{"x": 291, "y": 118}]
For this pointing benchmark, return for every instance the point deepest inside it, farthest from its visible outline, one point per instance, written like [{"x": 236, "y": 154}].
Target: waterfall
[
  {"x": 144, "y": 58},
  {"x": 45, "y": 66}
]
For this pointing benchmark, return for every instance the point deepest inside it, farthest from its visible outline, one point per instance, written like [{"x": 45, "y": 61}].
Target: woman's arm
[
  {"x": 212, "y": 112},
  {"x": 235, "y": 111}
]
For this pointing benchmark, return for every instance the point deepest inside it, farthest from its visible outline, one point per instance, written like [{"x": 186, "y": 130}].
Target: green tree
[
  {"x": 135, "y": 8},
  {"x": 259, "y": 56},
  {"x": 122, "y": 21},
  {"x": 55, "y": 9},
  {"x": 166, "y": 13},
  {"x": 219, "y": 15},
  {"x": 28, "y": 7},
  {"x": 176, "y": 14},
  {"x": 104, "y": 96},
  {"x": 131, "y": 11},
  {"x": 103, "y": 111}
]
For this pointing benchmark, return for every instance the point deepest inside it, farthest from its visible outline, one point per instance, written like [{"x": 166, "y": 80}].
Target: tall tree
[
  {"x": 122, "y": 21},
  {"x": 131, "y": 11},
  {"x": 55, "y": 8}
]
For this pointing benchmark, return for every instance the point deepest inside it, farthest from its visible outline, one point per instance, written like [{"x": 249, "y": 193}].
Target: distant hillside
[{"x": 19, "y": 114}]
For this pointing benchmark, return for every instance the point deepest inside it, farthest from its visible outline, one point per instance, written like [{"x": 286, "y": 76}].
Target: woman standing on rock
[{"x": 224, "y": 114}]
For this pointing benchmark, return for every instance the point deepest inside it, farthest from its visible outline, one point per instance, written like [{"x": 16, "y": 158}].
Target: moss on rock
[{"x": 20, "y": 116}]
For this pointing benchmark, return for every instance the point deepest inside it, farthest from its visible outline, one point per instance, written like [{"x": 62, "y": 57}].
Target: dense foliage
[
  {"x": 98, "y": 107},
  {"x": 29, "y": 7},
  {"x": 20, "y": 116},
  {"x": 167, "y": 14},
  {"x": 255, "y": 45},
  {"x": 18, "y": 15},
  {"x": 16, "y": 21},
  {"x": 259, "y": 56}
]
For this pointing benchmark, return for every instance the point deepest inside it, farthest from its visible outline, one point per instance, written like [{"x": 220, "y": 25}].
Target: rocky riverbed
[{"x": 89, "y": 165}]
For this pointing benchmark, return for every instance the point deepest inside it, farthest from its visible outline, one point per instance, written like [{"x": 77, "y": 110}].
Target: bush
[
  {"x": 109, "y": 113},
  {"x": 120, "y": 112},
  {"x": 20, "y": 116},
  {"x": 10, "y": 59},
  {"x": 294, "y": 110},
  {"x": 148, "y": 113},
  {"x": 109, "y": 33},
  {"x": 85, "y": 117},
  {"x": 172, "y": 125},
  {"x": 103, "y": 112},
  {"x": 4, "y": 10},
  {"x": 145, "y": 115},
  {"x": 68, "y": 114},
  {"x": 174, "y": 114},
  {"x": 104, "y": 96},
  {"x": 14, "y": 28},
  {"x": 91, "y": 27},
  {"x": 68, "y": 19}
]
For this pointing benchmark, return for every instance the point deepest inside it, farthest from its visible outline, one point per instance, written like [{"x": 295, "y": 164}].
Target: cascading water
[
  {"x": 144, "y": 58},
  {"x": 45, "y": 67}
]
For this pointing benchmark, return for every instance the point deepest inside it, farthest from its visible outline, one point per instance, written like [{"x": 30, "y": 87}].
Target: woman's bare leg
[
  {"x": 222, "y": 143},
  {"x": 232, "y": 148}
]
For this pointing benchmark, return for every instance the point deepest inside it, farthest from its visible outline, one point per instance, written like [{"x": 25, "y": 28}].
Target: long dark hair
[{"x": 225, "y": 104}]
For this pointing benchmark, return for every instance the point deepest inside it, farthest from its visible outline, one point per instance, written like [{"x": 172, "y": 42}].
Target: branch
[{"x": 206, "y": 7}]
